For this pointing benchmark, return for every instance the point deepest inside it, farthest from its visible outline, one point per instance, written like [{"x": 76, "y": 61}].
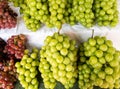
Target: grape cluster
[
  {"x": 8, "y": 18},
  {"x": 54, "y": 13},
  {"x": 30, "y": 11},
  {"x": 83, "y": 13},
  {"x": 17, "y": 2},
  {"x": 69, "y": 15},
  {"x": 8, "y": 74},
  {"x": 15, "y": 46},
  {"x": 31, "y": 15},
  {"x": 106, "y": 12},
  {"x": 27, "y": 69},
  {"x": 57, "y": 11},
  {"x": 7, "y": 65},
  {"x": 59, "y": 54},
  {"x": 41, "y": 11},
  {"x": 6, "y": 80},
  {"x": 46, "y": 73},
  {"x": 7, "y": 69},
  {"x": 99, "y": 64},
  {"x": 2, "y": 45},
  {"x": 51, "y": 13},
  {"x": 31, "y": 23}
]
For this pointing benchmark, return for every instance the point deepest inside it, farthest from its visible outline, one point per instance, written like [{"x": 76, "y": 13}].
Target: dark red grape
[
  {"x": 6, "y": 80},
  {"x": 15, "y": 46},
  {"x": 8, "y": 18}
]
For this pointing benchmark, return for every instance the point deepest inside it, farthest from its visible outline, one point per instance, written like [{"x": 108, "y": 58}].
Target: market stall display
[{"x": 71, "y": 56}]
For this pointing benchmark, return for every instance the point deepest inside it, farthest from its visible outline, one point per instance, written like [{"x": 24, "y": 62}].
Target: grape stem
[
  {"x": 59, "y": 30},
  {"x": 92, "y": 33}
]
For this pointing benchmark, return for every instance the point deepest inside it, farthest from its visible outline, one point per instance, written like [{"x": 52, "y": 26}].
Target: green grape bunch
[
  {"x": 46, "y": 74},
  {"x": 57, "y": 11},
  {"x": 31, "y": 23},
  {"x": 83, "y": 13},
  {"x": 106, "y": 12},
  {"x": 32, "y": 16},
  {"x": 39, "y": 9},
  {"x": 27, "y": 69},
  {"x": 99, "y": 64},
  {"x": 69, "y": 15},
  {"x": 59, "y": 54}
]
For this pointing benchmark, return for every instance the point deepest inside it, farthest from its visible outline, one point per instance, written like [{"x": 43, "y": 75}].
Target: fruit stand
[{"x": 41, "y": 38}]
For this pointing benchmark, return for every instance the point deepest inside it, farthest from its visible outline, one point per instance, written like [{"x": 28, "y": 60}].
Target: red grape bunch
[
  {"x": 6, "y": 80},
  {"x": 8, "y": 18},
  {"x": 8, "y": 65},
  {"x": 7, "y": 69},
  {"x": 15, "y": 46},
  {"x": 8, "y": 75},
  {"x": 3, "y": 56},
  {"x": 2, "y": 45}
]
